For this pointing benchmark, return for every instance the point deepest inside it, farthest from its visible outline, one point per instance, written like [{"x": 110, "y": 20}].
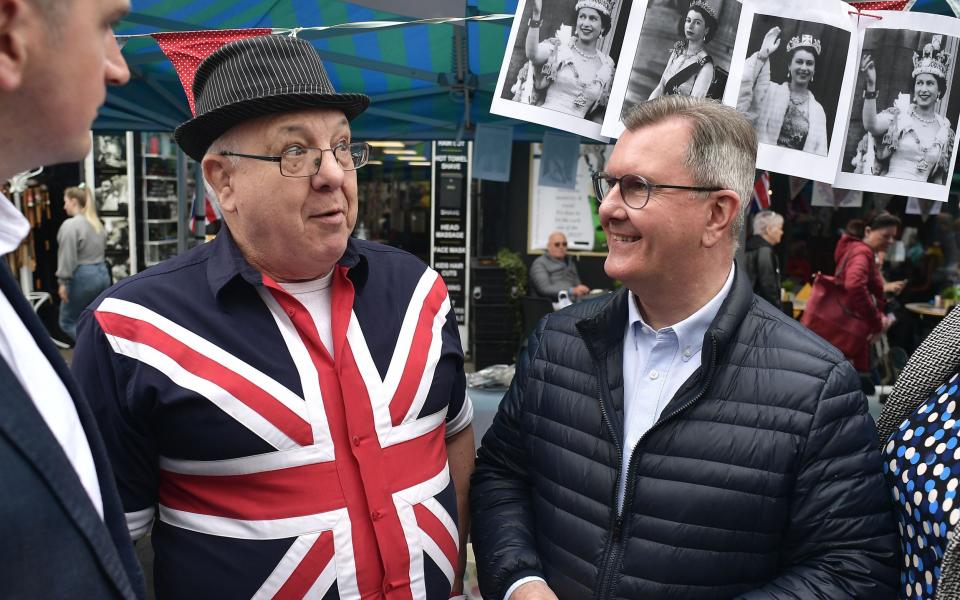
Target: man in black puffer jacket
[{"x": 679, "y": 438}]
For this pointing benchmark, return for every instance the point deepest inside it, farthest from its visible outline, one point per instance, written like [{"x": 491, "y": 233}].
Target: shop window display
[
  {"x": 160, "y": 201},
  {"x": 111, "y": 191},
  {"x": 394, "y": 193}
]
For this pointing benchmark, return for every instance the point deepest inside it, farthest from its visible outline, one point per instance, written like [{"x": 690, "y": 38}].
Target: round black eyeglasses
[
  {"x": 635, "y": 189},
  {"x": 304, "y": 161}
]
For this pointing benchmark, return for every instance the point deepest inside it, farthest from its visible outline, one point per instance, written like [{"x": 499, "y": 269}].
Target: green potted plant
[
  {"x": 515, "y": 273},
  {"x": 950, "y": 296}
]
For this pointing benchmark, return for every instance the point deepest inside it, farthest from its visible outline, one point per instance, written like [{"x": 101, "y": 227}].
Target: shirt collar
[
  {"x": 227, "y": 263},
  {"x": 14, "y": 227},
  {"x": 690, "y": 331}
]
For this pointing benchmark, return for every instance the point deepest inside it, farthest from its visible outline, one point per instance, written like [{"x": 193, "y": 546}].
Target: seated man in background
[{"x": 555, "y": 272}]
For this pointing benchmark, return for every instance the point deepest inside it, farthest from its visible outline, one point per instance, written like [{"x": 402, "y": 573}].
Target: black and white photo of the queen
[
  {"x": 567, "y": 70},
  {"x": 790, "y": 84},
  {"x": 903, "y": 130}
]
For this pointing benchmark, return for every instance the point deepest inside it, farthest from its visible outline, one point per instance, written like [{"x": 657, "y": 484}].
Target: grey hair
[
  {"x": 224, "y": 143},
  {"x": 722, "y": 151},
  {"x": 764, "y": 220}
]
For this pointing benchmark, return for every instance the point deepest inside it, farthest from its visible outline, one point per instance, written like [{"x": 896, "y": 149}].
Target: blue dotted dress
[{"x": 922, "y": 466}]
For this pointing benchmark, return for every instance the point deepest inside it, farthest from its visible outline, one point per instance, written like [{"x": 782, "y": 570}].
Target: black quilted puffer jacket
[{"x": 760, "y": 480}]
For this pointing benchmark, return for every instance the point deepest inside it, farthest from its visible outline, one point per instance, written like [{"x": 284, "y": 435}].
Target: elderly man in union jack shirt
[{"x": 284, "y": 406}]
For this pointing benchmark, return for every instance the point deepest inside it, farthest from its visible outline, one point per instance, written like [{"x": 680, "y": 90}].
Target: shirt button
[
  {"x": 388, "y": 587},
  {"x": 654, "y": 374},
  {"x": 356, "y": 440},
  {"x": 375, "y": 515},
  {"x": 687, "y": 352}
]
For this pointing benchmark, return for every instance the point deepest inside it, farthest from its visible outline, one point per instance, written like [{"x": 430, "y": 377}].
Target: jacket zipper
[{"x": 615, "y": 543}]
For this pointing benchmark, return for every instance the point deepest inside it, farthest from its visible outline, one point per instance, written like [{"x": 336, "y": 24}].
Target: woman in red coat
[{"x": 856, "y": 259}]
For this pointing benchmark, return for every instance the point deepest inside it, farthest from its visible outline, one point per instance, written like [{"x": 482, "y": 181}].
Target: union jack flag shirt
[{"x": 268, "y": 468}]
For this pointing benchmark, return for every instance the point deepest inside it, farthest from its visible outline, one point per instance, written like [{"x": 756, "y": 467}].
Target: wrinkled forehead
[{"x": 315, "y": 125}]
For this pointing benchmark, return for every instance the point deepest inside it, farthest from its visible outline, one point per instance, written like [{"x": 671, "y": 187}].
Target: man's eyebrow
[{"x": 297, "y": 128}]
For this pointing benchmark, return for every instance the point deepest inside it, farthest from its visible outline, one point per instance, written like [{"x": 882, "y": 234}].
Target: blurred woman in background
[
  {"x": 862, "y": 299},
  {"x": 81, "y": 270}
]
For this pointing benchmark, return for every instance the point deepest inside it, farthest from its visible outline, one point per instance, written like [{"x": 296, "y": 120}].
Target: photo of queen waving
[
  {"x": 572, "y": 76},
  {"x": 911, "y": 139},
  {"x": 785, "y": 114}
]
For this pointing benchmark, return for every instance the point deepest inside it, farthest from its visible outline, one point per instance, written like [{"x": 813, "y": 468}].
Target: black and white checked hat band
[{"x": 254, "y": 77}]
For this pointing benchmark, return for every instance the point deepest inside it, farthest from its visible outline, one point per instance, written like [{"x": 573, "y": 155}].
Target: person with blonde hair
[{"x": 81, "y": 270}]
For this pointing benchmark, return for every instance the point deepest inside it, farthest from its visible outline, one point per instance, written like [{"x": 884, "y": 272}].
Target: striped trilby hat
[{"x": 254, "y": 77}]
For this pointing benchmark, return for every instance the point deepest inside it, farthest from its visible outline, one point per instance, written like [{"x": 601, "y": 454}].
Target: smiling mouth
[{"x": 624, "y": 238}]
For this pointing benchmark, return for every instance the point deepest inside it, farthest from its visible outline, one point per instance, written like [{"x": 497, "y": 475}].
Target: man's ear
[
  {"x": 218, "y": 173},
  {"x": 724, "y": 206},
  {"x": 16, "y": 26}
]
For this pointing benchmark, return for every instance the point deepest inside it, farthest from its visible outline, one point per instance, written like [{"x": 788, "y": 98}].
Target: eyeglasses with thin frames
[
  {"x": 304, "y": 161},
  {"x": 635, "y": 189},
  {"x": 559, "y": 244}
]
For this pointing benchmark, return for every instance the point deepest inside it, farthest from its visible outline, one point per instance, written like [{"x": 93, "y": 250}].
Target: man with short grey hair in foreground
[{"x": 679, "y": 439}]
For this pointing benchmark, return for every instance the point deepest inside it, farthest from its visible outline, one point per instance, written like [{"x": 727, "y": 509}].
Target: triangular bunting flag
[
  {"x": 187, "y": 49},
  {"x": 796, "y": 186},
  {"x": 881, "y": 4}
]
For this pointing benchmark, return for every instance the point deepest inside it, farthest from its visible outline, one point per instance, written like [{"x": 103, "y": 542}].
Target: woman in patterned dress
[
  {"x": 573, "y": 77},
  {"x": 785, "y": 114},
  {"x": 689, "y": 70},
  {"x": 920, "y": 442}
]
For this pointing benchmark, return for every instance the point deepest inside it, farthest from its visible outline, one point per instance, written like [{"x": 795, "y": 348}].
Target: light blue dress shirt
[{"x": 655, "y": 364}]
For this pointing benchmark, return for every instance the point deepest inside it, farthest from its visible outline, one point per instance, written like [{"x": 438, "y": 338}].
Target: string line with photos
[{"x": 847, "y": 94}]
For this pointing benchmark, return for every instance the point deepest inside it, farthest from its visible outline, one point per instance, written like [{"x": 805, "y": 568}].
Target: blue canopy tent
[{"x": 427, "y": 81}]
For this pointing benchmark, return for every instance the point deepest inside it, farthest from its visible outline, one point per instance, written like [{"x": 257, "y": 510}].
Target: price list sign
[{"x": 450, "y": 242}]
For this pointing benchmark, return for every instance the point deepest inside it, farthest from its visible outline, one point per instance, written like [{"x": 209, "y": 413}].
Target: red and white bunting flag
[
  {"x": 187, "y": 49},
  {"x": 880, "y": 4}
]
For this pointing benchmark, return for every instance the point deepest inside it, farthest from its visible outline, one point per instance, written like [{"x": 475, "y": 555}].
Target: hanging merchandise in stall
[
  {"x": 450, "y": 224},
  {"x": 33, "y": 200},
  {"x": 160, "y": 200},
  {"x": 109, "y": 170}
]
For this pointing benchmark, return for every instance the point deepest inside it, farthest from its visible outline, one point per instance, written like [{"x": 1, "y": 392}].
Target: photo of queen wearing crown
[
  {"x": 690, "y": 70},
  {"x": 912, "y": 139},
  {"x": 572, "y": 75},
  {"x": 785, "y": 114}
]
